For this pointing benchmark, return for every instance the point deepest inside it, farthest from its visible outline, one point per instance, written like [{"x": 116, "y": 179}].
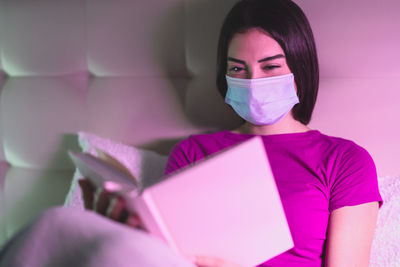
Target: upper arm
[{"x": 350, "y": 234}]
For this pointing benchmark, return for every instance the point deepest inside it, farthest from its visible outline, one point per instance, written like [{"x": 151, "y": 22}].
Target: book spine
[{"x": 159, "y": 222}]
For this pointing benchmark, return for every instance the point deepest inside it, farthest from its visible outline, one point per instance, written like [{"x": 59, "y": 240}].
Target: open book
[{"x": 225, "y": 206}]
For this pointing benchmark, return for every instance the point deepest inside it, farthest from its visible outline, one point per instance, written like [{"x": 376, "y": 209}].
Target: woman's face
[{"x": 255, "y": 54}]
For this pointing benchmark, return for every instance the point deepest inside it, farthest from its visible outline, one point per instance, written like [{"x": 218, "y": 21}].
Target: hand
[
  {"x": 205, "y": 261},
  {"x": 108, "y": 204}
]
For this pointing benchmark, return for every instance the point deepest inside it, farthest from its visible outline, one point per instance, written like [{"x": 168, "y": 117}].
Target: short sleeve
[
  {"x": 355, "y": 181},
  {"x": 179, "y": 157}
]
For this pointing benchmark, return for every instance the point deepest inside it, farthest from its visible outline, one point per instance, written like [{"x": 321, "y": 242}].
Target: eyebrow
[{"x": 261, "y": 60}]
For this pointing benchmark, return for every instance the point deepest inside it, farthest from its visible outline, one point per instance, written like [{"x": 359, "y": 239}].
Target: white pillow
[
  {"x": 145, "y": 165},
  {"x": 385, "y": 249}
]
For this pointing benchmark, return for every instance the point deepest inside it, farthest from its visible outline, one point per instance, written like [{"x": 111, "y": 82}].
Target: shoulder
[
  {"x": 344, "y": 159},
  {"x": 342, "y": 148},
  {"x": 353, "y": 176}
]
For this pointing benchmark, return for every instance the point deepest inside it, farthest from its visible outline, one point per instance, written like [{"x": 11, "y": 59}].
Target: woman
[{"x": 268, "y": 73}]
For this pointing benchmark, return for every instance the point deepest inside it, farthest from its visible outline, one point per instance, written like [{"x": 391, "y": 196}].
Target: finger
[
  {"x": 88, "y": 190},
  {"x": 96, "y": 197},
  {"x": 86, "y": 183},
  {"x": 100, "y": 201},
  {"x": 206, "y": 261},
  {"x": 115, "y": 208},
  {"x": 134, "y": 220}
]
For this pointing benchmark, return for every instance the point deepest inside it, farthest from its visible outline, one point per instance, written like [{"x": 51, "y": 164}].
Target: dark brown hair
[{"x": 287, "y": 24}]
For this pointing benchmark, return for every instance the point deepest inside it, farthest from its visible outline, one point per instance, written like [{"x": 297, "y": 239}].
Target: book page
[{"x": 110, "y": 160}]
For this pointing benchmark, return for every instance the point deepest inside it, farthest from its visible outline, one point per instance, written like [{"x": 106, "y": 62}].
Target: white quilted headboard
[{"x": 142, "y": 72}]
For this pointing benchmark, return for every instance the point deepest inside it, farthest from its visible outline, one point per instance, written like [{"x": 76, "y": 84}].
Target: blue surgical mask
[{"x": 262, "y": 101}]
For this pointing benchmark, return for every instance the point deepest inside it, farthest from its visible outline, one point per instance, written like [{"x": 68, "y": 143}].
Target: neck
[{"x": 286, "y": 125}]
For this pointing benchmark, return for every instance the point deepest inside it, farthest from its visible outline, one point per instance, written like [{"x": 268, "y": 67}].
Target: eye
[
  {"x": 271, "y": 67},
  {"x": 236, "y": 69}
]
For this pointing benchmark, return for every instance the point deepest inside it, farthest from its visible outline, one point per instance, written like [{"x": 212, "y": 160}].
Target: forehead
[{"x": 253, "y": 43}]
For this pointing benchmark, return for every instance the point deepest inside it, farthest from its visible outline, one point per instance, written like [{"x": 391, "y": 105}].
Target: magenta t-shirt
[{"x": 315, "y": 174}]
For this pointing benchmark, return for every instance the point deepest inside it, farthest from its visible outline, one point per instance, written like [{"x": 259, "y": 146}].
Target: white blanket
[{"x": 65, "y": 237}]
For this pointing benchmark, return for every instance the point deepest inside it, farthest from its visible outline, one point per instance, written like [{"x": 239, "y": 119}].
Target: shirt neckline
[{"x": 286, "y": 137}]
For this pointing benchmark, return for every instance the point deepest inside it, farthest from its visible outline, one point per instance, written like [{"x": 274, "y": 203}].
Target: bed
[{"x": 142, "y": 73}]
